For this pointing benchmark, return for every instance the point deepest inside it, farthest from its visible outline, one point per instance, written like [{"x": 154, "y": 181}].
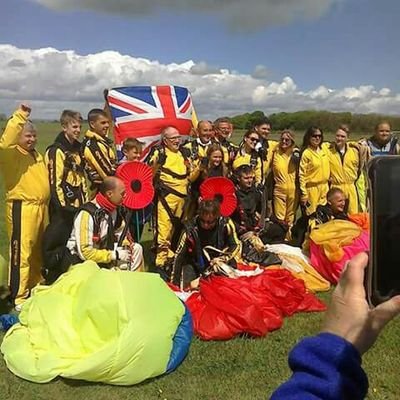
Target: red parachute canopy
[
  {"x": 221, "y": 189},
  {"x": 138, "y": 179}
]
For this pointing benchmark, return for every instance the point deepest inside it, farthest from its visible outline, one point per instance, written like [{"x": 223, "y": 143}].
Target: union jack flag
[{"x": 142, "y": 112}]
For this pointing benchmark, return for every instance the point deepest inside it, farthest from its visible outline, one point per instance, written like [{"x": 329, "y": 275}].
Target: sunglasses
[
  {"x": 316, "y": 136},
  {"x": 252, "y": 139}
]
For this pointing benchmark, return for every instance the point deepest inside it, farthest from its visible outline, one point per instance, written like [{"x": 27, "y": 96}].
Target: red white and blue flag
[{"x": 142, "y": 112}]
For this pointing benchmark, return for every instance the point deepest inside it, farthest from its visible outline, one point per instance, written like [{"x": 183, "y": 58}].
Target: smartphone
[{"x": 383, "y": 273}]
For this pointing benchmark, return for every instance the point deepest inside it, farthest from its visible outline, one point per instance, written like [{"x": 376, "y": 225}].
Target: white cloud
[
  {"x": 53, "y": 80},
  {"x": 260, "y": 72},
  {"x": 237, "y": 14}
]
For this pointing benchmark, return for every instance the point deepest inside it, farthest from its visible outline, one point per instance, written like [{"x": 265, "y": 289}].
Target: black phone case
[{"x": 374, "y": 296}]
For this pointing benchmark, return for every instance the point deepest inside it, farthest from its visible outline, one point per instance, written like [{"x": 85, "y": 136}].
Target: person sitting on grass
[
  {"x": 97, "y": 229},
  {"x": 209, "y": 239},
  {"x": 333, "y": 209}
]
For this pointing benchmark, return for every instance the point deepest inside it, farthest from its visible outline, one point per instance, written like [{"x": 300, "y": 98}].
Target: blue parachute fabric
[
  {"x": 7, "y": 321},
  {"x": 181, "y": 342}
]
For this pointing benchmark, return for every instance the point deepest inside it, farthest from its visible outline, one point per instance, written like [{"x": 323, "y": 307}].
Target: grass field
[{"x": 242, "y": 368}]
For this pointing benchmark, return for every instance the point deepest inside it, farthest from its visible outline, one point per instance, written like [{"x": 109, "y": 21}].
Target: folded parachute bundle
[
  {"x": 252, "y": 305},
  {"x": 333, "y": 244},
  {"x": 99, "y": 325}
]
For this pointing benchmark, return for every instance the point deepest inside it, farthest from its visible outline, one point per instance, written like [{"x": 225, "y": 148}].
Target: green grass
[{"x": 237, "y": 369}]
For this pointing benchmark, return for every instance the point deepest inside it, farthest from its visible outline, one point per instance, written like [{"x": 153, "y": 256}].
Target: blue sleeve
[{"x": 325, "y": 367}]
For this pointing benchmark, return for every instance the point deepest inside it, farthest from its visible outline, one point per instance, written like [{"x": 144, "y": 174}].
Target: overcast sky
[{"x": 233, "y": 55}]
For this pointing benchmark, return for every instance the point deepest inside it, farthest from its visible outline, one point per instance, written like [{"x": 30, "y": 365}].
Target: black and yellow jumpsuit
[
  {"x": 99, "y": 156},
  {"x": 172, "y": 171},
  {"x": 253, "y": 159},
  {"x": 68, "y": 192},
  {"x": 190, "y": 261},
  {"x": 27, "y": 197}
]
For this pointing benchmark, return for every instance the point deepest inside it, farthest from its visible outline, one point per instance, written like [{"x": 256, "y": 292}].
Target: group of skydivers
[{"x": 66, "y": 207}]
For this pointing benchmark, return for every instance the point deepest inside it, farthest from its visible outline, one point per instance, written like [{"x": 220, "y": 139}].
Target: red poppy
[
  {"x": 138, "y": 179},
  {"x": 221, "y": 189}
]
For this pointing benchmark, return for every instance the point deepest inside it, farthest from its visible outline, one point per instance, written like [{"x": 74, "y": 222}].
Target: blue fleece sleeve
[{"x": 325, "y": 367}]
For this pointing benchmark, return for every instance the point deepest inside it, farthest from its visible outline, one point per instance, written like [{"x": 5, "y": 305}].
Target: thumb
[
  {"x": 352, "y": 277},
  {"x": 385, "y": 312}
]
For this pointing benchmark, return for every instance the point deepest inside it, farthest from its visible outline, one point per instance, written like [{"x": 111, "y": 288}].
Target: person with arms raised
[{"x": 27, "y": 198}]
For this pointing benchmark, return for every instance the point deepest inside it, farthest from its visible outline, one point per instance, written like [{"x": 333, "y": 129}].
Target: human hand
[
  {"x": 349, "y": 314},
  {"x": 95, "y": 177},
  {"x": 25, "y": 107},
  {"x": 304, "y": 201},
  {"x": 122, "y": 254}
]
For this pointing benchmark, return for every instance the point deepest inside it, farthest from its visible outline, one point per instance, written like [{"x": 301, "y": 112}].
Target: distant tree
[
  {"x": 253, "y": 118},
  {"x": 328, "y": 121}
]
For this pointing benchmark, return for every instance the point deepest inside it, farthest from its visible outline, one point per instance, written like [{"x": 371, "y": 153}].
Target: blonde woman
[
  {"x": 285, "y": 159},
  {"x": 314, "y": 171}
]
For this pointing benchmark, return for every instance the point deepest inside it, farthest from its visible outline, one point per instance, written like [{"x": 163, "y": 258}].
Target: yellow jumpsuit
[
  {"x": 267, "y": 159},
  {"x": 243, "y": 158},
  {"x": 314, "y": 173},
  {"x": 100, "y": 157},
  {"x": 172, "y": 181},
  {"x": 344, "y": 171},
  {"x": 284, "y": 172},
  {"x": 27, "y": 197},
  {"x": 198, "y": 147},
  {"x": 229, "y": 151}
]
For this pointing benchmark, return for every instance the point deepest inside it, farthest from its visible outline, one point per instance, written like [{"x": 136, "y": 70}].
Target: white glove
[
  {"x": 123, "y": 255},
  {"x": 120, "y": 254}
]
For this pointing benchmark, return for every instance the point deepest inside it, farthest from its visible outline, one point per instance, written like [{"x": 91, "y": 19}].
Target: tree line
[{"x": 326, "y": 120}]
